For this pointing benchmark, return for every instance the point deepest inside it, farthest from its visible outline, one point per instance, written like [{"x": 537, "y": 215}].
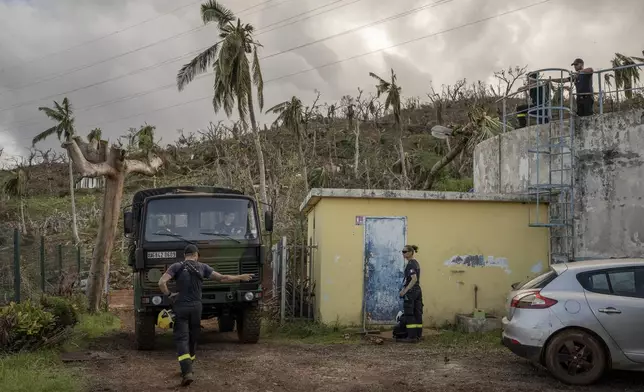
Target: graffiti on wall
[{"x": 479, "y": 261}]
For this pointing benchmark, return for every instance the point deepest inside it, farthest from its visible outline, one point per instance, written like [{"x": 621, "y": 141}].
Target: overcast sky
[{"x": 45, "y": 54}]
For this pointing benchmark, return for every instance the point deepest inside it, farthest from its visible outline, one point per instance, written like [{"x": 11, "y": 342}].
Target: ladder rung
[
  {"x": 547, "y": 225},
  {"x": 548, "y": 152},
  {"x": 548, "y": 186}
]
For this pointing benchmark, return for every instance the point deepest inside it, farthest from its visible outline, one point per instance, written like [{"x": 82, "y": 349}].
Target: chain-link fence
[{"x": 30, "y": 266}]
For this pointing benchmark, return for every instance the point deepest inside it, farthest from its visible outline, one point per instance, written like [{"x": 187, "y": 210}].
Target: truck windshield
[{"x": 200, "y": 219}]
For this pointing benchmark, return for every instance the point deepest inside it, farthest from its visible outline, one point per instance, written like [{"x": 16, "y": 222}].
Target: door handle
[{"x": 610, "y": 310}]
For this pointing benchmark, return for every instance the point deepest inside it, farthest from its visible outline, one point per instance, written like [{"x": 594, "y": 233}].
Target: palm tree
[
  {"x": 625, "y": 78},
  {"x": 94, "y": 136},
  {"x": 144, "y": 138},
  {"x": 480, "y": 126},
  {"x": 234, "y": 73},
  {"x": 16, "y": 186},
  {"x": 393, "y": 100},
  {"x": 291, "y": 115},
  {"x": 63, "y": 115}
]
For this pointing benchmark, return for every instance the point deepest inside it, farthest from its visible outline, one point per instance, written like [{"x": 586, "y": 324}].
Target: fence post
[
  {"x": 16, "y": 265},
  {"x": 78, "y": 260},
  {"x": 601, "y": 93},
  {"x": 59, "y": 249},
  {"x": 42, "y": 263},
  {"x": 283, "y": 282}
]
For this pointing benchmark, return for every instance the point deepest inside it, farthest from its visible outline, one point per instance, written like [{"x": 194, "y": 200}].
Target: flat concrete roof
[{"x": 318, "y": 193}]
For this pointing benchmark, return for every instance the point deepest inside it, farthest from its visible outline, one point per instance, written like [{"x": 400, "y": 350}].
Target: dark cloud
[{"x": 547, "y": 35}]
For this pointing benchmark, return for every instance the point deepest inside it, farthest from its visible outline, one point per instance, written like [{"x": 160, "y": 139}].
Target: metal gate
[{"x": 293, "y": 281}]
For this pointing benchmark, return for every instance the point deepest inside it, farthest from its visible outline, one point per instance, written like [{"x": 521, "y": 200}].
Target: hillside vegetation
[{"x": 380, "y": 139}]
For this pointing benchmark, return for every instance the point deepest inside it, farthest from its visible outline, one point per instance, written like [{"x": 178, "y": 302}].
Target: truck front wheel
[
  {"x": 144, "y": 330},
  {"x": 249, "y": 323}
]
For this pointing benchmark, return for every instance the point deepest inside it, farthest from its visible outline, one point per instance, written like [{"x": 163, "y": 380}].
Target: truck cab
[{"x": 224, "y": 224}]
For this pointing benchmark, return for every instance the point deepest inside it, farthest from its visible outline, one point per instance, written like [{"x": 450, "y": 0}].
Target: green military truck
[{"x": 224, "y": 224}]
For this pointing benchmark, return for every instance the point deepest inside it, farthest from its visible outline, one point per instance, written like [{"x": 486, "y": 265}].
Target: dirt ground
[{"x": 224, "y": 365}]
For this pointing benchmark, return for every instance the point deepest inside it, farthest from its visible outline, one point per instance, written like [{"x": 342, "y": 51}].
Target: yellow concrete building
[{"x": 472, "y": 248}]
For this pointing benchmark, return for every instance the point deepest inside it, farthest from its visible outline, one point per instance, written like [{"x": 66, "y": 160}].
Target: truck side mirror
[
  {"x": 127, "y": 222},
  {"x": 268, "y": 221}
]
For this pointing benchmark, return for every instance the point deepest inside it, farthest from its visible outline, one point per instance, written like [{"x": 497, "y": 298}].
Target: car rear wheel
[{"x": 575, "y": 357}]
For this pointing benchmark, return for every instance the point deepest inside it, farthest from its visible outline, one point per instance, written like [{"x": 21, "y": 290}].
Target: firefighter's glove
[{"x": 172, "y": 298}]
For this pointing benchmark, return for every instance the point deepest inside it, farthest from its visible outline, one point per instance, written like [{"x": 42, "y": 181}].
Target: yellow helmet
[{"x": 165, "y": 320}]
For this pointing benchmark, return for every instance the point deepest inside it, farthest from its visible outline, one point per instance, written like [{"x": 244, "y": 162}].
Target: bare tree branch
[
  {"x": 145, "y": 168},
  {"x": 82, "y": 164}
]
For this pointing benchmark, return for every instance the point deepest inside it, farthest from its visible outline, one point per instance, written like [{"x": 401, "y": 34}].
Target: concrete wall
[
  {"x": 463, "y": 242},
  {"x": 609, "y": 172}
]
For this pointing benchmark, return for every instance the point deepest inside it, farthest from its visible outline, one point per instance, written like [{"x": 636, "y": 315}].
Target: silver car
[{"x": 580, "y": 319}]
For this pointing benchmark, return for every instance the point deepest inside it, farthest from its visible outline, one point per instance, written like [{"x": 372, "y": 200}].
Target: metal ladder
[{"x": 558, "y": 153}]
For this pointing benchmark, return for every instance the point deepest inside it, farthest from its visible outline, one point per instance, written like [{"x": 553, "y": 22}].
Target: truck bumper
[{"x": 160, "y": 301}]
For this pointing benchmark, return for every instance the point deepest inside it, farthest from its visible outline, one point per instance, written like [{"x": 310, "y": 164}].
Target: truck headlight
[
  {"x": 156, "y": 300},
  {"x": 249, "y": 296}
]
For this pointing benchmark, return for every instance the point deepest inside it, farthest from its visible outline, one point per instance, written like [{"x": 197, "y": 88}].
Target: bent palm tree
[
  {"x": 232, "y": 69},
  {"x": 291, "y": 115},
  {"x": 63, "y": 115},
  {"x": 393, "y": 100}
]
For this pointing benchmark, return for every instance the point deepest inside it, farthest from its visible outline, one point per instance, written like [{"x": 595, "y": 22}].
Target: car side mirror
[
  {"x": 127, "y": 222},
  {"x": 268, "y": 221}
]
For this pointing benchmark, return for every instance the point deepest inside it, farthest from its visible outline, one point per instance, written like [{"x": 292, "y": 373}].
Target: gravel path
[{"x": 224, "y": 365}]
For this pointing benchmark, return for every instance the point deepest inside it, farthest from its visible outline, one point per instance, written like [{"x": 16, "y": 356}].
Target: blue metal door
[{"x": 384, "y": 265}]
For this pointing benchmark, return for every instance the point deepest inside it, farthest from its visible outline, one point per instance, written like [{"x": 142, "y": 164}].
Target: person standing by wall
[
  {"x": 540, "y": 93},
  {"x": 412, "y": 295},
  {"x": 186, "y": 304},
  {"x": 583, "y": 80}
]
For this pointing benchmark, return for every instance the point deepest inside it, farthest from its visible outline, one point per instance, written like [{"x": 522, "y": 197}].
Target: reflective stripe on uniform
[
  {"x": 521, "y": 115},
  {"x": 409, "y": 326},
  {"x": 193, "y": 357},
  {"x": 184, "y": 357}
]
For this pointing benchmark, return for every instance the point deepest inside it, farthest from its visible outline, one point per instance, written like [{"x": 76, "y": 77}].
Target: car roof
[{"x": 590, "y": 265}]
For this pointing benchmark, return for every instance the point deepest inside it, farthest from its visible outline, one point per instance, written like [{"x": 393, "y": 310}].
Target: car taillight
[{"x": 533, "y": 300}]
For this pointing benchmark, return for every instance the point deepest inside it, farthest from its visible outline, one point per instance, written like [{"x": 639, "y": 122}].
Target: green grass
[
  {"x": 91, "y": 326},
  {"x": 36, "y": 372},
  {"x": 307, "y": 332},
  {"x": 42, "y": 371}
]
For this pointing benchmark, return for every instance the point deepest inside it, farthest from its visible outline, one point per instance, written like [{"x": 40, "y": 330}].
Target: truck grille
[
  {"x": 251, "y": 267},
  {"x": 150, "y": 280}
]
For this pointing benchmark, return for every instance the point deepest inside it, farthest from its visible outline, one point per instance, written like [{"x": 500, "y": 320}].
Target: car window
[
  {"x": 599, "y": 283},
  {"x": 625, "y": 282}
]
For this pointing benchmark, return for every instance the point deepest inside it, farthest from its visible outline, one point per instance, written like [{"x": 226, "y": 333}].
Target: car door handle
[{"x": 610, "y": 310}]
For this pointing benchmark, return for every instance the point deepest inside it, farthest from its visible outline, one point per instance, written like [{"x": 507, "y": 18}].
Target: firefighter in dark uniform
[
  {"x": 186, "y": 304},
  {"x": 412, "y": 295}
]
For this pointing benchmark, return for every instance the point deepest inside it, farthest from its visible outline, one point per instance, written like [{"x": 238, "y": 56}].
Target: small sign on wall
[{"x": 359, "y": 220}]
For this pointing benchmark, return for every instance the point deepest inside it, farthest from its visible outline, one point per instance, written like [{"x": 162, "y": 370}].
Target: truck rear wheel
[
  {"x": 249, "y": 323},
  {"x": 144, "y": 331},
  {"x": 226, "y": 323}
]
